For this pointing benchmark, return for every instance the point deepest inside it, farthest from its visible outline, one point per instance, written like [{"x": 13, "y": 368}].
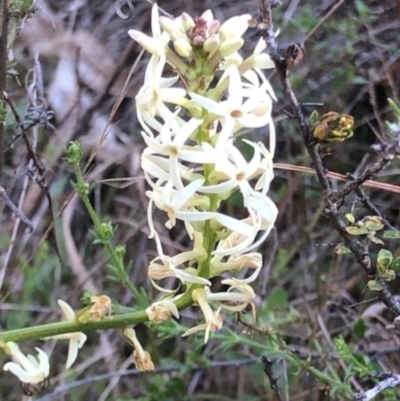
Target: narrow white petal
[
  {"x": 173, "y": 95},
  {"x": 72, "y": 353},
  {"x": 264, "y": 62},
  {"x": 234, "y": 224},
  {"x": 196, "y": 156},
  {"x": 22, "y": 374},
  {"x": 20, "y": 357},
  {"x": 188, "y": 129},
  {"x": 190, "y": 278},
  {"x": 155, "y": 23},
  {"x": 212, "y": 106},
  {"x": 235, "y": 97},
  {"x": 44, "y": 363},
  {"x": 219, "y": 188},
  {"x": 186, "y": 194},
  {"x": 67, "y": 310}
]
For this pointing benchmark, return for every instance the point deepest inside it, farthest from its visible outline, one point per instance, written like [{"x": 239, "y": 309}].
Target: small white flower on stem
[
  {"x": 173, "y": 144},
  {"x": 157, "y": 90},
  {"x": 28, "y": 369},
  {"x": 234, "y": 111},
  {"x": 213, "y": 319},
  {"x": 76, "y": 339},
  {"x": 177, "y": 204},
  {"x": 252, "y": 260},
  {"x": 234, "y": 170},
  {"x": 239, "y": 293},
  {"x": 169, "y": 267},
  {"x": 258, "y": 60},
  {"x": 141, "y": 358},
  {"x": 158, "y": 44},
  {"x": 264, "y": 209}
]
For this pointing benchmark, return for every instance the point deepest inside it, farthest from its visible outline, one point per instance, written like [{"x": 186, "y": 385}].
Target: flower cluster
[{"x": 194, "y": 160}]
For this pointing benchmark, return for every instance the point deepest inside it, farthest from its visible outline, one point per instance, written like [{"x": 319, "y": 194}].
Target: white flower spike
[{"x": 193, "y": 163}]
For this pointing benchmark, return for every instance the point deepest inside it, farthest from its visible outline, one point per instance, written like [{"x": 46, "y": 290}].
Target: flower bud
[
  {"x": 187, "y": 21},
  {"x": 235, "y": 26},
  {"x": 211, "y": 45},
  {"x": 169, "y": 25},
  {"x": 183, "y": 48},
  {"x": 230, "y": 46}
]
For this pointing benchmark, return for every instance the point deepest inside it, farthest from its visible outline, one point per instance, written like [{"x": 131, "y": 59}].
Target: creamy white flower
[
  {"x": 165, "y": 266},
  {"x": 177, "y": 204},
  {"x": 157, "y": 90},
  {"x": 236, "y": 243},
  {"x": 76, "y": 339},
  {"x": 252, "y": 260},
  {"x": 158, "y": 43},
  {"x": 213, "y": 319},
  {"x": 172, "y": 144},
  {"x": 234, "y": 110},
  {"x": 239, "y": 293},
  {"x": 258, "y": 60},
  {"x": 264, "y": 208},
  {"x": 28, "y": 369},
  {"x": 235, "y": 170},
  {"x": 158, "y": 167}
]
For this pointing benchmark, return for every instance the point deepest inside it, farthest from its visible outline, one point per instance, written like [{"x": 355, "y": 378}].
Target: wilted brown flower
[{"x": 101, "y": 307}]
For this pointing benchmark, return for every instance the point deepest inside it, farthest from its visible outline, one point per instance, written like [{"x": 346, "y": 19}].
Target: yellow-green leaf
[
  {"x": 385, "y": 258},
  {"x": 341, "y": 249},
  {"x": 350, "y": 218},
  {"x": 373, "y": 223},
  {"x": 356, "y": 230},
  {"x": 375, "y": 240},
  {"x": 396, "y": 265},
  {"x": 392, "y": 234}
]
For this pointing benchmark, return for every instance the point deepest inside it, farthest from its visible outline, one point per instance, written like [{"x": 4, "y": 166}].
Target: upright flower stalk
[{"x": 194, "y": 160}]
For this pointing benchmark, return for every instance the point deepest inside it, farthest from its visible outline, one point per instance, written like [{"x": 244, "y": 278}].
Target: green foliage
[
  {"x": 20, "y": 7},
  {"x": 357, "y": 365}
]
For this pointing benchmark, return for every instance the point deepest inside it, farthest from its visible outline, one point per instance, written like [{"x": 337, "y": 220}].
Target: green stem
[
  {"x": 96, "y": 221},
  {"x": 52, "y": 329}
]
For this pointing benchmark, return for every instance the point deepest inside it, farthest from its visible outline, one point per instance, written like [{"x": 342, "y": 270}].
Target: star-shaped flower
[
  {"x": 234, "y": 171},
  {"x": 234, "y": 110},
  {"x": 165, "y": 266},
  {"x": 157, "y": 90}
]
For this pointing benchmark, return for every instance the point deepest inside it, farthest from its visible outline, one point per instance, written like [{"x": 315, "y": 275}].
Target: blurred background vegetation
[{"x": 68, "y": 63}]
